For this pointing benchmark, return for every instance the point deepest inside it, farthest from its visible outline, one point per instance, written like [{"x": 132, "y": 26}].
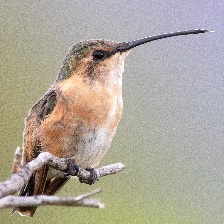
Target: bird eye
[{"x": 97, "y": 55}]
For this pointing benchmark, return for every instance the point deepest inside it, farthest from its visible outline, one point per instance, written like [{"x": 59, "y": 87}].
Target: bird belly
[
  {"x": 86, "y": 143},
  {"x": 90, "y": 150},
  {"x": 83, "y": 134},
  {"x": 92, "y": 147}
]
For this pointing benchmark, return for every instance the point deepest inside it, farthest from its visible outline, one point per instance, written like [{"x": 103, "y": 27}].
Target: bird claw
[
  {"x": 72, "y": 169},
  {"x": 92, "y": 178}
]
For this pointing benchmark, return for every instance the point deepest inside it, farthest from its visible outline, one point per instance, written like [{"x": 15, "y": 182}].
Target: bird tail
[
  {"x": 35, "y": 186},
  {"x": 40, "y": 185}
]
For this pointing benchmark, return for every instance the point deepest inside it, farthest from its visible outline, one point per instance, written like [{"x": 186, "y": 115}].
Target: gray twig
[{"x": 21, "y": 174}]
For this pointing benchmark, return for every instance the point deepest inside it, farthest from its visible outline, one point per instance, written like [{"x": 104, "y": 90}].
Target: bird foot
[
  {"x": 92, "y": 179},
  {"x": 72, "y": 169}
]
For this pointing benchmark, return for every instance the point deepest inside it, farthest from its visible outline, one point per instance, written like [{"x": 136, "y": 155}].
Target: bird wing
[{"x": 38, "y": 183}]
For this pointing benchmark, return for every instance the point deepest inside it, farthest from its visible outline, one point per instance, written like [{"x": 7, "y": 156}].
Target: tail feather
[
  {"x": 39, "y": 185},
  {"x": 35, "y": 186},
  {"x": 55, "y": 185}
]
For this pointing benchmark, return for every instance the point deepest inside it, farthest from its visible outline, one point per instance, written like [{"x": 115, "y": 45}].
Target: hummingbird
[{"x": 78, "y": 116}]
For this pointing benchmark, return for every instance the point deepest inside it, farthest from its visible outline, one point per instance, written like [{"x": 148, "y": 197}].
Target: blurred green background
[{"x": 171, "y": 136}]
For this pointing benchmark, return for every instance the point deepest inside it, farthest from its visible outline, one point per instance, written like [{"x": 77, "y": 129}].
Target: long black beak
[{"x": 129, "y": 45}]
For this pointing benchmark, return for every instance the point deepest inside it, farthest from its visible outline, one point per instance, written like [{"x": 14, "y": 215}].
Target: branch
[
  {"x": 21, "y": 174},
  {"x": 82, "y": 200}
]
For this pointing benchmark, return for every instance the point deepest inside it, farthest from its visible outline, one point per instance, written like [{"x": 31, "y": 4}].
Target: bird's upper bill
[{"x": 129, "y": 45}]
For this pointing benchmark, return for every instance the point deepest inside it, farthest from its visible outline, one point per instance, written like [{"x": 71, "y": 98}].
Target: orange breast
[{"x": 83, "y": 122}]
